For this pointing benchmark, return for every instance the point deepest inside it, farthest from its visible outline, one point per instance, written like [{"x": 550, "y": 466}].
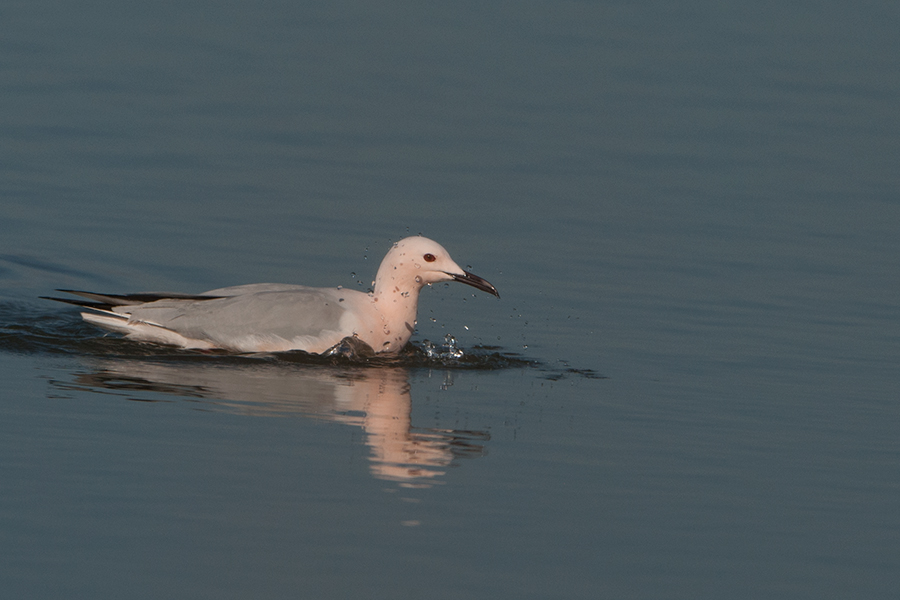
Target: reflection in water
[{"x": 375, "y": 399}]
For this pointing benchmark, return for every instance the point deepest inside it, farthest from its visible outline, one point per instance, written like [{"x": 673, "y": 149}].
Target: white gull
[{"x": 273, "y": 317}]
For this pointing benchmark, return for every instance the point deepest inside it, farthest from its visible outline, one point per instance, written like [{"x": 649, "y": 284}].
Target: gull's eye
[{"x": 429, "y": 258}]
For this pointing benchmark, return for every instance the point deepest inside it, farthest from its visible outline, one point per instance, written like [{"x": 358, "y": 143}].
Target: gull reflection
[{"x": 375, "y": 399}]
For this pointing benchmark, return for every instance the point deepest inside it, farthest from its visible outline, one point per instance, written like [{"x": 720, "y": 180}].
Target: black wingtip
[
  {"x": 113, "y": 300},
  {"x": 79, "y": 303}
]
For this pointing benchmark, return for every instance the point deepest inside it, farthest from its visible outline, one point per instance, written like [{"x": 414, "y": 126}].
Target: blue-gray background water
[{"x": 689, "y": 388}]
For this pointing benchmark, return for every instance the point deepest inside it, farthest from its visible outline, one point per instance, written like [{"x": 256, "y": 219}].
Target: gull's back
[{"x": 249, "y": 318}]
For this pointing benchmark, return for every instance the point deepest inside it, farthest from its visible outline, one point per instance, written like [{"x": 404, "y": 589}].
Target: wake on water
[{"x": 28, "y": 329}]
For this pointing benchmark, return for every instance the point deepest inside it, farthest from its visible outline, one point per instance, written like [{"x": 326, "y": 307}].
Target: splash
[{"x": 450, "y": 349}]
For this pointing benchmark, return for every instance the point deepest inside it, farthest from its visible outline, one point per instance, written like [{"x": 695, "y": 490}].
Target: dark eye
[{"x": 429, "y": 258}]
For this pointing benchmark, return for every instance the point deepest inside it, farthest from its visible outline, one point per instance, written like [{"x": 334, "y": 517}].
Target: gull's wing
[{"x": 261, "y": 317}]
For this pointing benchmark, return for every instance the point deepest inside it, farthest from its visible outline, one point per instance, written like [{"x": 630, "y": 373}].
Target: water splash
[{"x": 449, "y": 350}]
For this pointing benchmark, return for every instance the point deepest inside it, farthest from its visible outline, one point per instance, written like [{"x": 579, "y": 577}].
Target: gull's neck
[{"x": 396, "y": 298}]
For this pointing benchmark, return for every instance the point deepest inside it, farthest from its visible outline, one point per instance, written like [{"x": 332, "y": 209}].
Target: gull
[{"x": 274, "y": 317}]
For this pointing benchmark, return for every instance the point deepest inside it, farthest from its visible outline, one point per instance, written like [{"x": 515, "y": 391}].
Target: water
[{"x": 688, "y": 389}]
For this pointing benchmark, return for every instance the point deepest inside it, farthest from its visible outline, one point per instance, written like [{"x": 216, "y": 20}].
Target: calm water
[{"x": 689, "y": 388}]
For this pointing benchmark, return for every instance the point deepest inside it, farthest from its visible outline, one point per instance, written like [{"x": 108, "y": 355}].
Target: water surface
[{"x": 688, "y": 389}]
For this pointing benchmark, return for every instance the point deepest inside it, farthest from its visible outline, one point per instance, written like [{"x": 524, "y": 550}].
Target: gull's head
[{"x": 417, "y": 261}]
